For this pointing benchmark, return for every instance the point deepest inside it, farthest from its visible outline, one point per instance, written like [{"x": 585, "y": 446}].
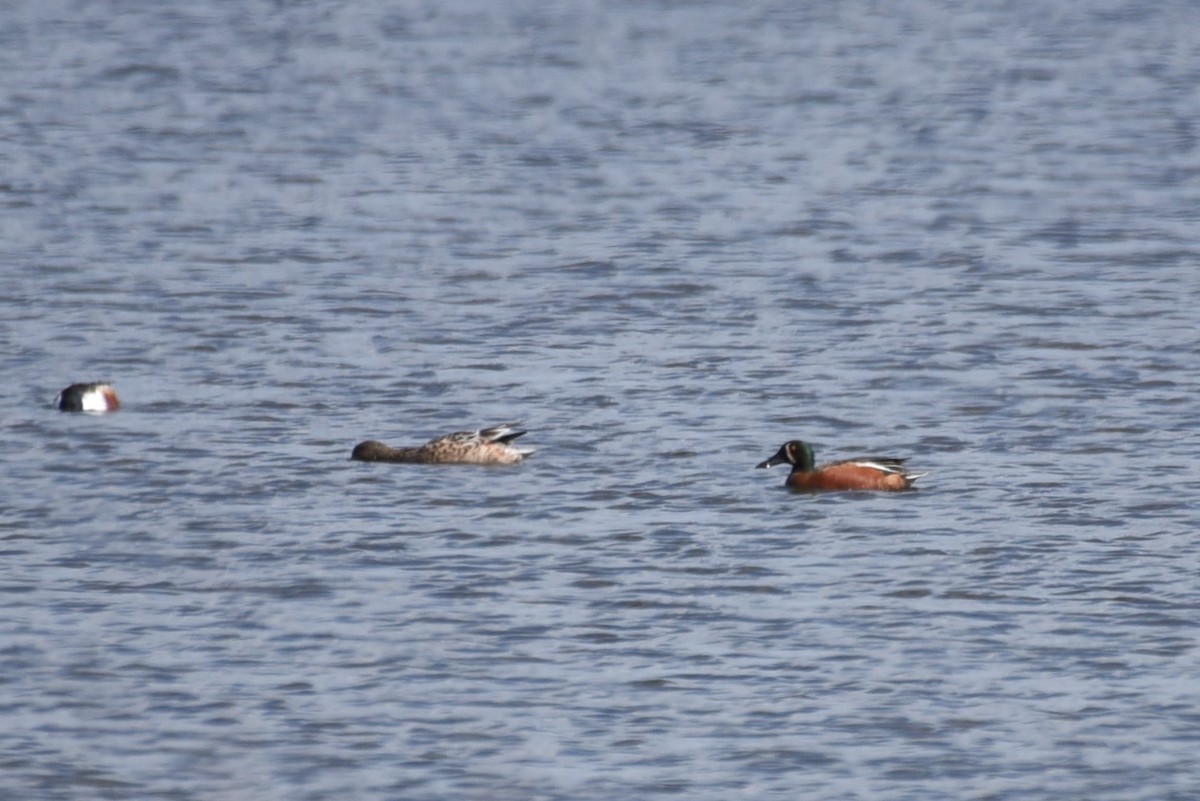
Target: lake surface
[{"x": 667, "y": 237}]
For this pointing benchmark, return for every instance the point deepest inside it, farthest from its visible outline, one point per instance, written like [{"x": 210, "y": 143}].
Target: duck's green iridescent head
[{"x": 797, "y": 453}]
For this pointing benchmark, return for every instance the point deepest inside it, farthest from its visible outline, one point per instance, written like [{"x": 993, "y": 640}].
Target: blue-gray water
[{"x": 667, "y": 237}]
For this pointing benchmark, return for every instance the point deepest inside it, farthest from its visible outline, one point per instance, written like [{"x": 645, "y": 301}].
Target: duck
[
  {"x": 492, "y": 445},
  {"x": 883, "y": 473},
  {"x": 97, "y": 398}
]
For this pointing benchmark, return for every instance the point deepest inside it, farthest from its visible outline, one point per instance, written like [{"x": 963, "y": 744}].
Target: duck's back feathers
[{"x": 487, "y": 446}]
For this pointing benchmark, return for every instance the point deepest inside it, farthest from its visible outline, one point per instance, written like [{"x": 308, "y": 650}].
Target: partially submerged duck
[
  {"x": 486, "y": 446},
  {"x": 97, "y": 397}
]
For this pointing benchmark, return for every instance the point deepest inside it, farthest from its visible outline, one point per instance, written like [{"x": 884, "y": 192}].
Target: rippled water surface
[{"x": 667, "y": 237}]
